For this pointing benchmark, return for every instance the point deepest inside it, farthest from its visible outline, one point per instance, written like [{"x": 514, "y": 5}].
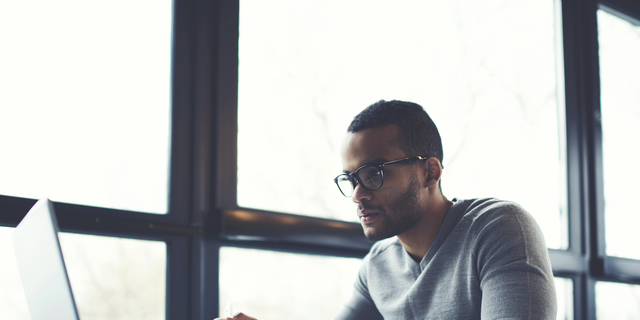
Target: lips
[{"x": 367, "y": 216}]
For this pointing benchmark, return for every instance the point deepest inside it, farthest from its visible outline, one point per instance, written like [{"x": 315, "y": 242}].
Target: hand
[{"x": 239, "y": 316}]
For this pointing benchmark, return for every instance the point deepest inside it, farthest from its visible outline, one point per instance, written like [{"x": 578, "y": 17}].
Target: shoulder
[
  {"x": 491, "y": 218},
  {"x": 481, "y": 207},
  {"x": 484, "y": 211}
]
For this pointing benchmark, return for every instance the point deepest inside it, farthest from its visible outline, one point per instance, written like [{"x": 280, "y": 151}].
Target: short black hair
[{"x": 418, "y": 134}]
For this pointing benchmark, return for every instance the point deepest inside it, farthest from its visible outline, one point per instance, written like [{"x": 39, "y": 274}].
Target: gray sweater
[{"x": 488, "y": 261}]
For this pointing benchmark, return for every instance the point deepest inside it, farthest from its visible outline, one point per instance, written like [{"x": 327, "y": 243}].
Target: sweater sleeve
[
  {"x": 360, "y": 306},
  {"x": 513, "y": 266}
]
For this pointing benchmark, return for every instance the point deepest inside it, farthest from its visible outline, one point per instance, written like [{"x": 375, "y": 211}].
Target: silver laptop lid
[{"x": 42, "y": 270}]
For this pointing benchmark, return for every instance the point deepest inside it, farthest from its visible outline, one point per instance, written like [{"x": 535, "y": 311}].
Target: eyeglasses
[{"x": 369, "y": 176}]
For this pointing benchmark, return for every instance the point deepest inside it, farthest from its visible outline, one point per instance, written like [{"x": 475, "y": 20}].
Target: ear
[{"x": 434, "y": 172}]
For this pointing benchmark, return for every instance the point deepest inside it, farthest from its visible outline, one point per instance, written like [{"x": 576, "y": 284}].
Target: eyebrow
[{"x": 373, "y": 162}]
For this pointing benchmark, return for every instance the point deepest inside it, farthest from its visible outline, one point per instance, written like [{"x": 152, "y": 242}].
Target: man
[{"x": 435, "y": 258}]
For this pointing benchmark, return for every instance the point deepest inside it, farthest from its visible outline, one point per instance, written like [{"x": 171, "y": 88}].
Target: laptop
[{"x": 42, "y": 269}]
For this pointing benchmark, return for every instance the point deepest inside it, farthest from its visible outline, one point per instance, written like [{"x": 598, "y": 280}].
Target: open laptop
[{"x": 42, "y": 269}]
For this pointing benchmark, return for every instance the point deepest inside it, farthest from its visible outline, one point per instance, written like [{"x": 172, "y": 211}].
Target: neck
[{"x": 417, "y": 240}]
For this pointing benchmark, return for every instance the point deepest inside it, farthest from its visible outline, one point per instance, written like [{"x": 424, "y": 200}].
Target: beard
[{"x": 404, "y": 213}]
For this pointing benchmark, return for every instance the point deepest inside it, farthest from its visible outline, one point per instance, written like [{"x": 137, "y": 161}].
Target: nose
[{"x": 360, "y": 194}]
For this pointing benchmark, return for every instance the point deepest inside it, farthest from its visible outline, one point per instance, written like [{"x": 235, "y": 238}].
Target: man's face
[{"x": 395, "y": 207}]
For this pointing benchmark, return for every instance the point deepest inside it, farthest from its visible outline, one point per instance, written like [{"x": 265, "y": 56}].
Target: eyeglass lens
[
  {"x": 345, "y": 185},
  {"x": 370, "y": 177}
]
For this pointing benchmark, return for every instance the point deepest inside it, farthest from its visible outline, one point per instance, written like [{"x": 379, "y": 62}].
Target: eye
[{"x": 371, "y": 177}]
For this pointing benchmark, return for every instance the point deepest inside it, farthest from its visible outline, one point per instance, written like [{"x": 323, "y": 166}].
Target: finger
[{"x": 242, "y": 316}]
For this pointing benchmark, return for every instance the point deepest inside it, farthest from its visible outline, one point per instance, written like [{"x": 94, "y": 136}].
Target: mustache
[{"x": 370, "y": 207}]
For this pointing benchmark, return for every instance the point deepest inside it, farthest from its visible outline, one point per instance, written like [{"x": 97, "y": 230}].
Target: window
[
  {"x": 617, "y": 300},
  {"x": 13, "y": 304},
  {"x": 619, "y": 49},
  {"x": 306, "y": 68},
  {"x": 285, "y": 285},
  {"x": 235, "y": 141},
  {"x": 85, "y": 119},
  {"x": 116, "y": 278},
  {"x": 111, "y": 278},
  {"x": 564, "y": 291},
  {"x": 86, "y": 94}
]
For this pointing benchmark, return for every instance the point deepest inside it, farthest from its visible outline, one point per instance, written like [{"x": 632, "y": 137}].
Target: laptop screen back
[{"x": 42, "y": 269}]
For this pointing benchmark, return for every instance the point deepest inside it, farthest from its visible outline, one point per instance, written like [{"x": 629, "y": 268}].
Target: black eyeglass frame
[{"x": 353, "y": 176}]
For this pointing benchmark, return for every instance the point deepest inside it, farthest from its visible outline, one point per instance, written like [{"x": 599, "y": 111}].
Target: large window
[
  {"x": 225, "y": 120},
  {"x": 306, "y": 68},
  {"x": 115, "y": 277},
  {"x": 85, "y": 119},
  {"x": 286, "y": 285},
  {"x": 565, "y": 294},
  {"x": 85, "y": 92},
  {"x": 619, "y": 44},
  {"x": 12, "y": 301},
  {"x": 111, "y": 278},
  {"x": 617, "y": 300},
  {"x": 619, "y": 48}
]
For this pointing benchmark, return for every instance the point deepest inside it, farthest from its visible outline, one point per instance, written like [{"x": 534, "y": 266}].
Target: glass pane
[
  {"x": 111, "y": 278},
  {"x": 307, "y": 68},
  {"x": 116, "y": 278},
  {"x": 619, "y": 43},
  {"x": 564, "y": 292},
  {"x": 617, "y": 301},
  {"x": 285, "y": 285},
  {"x": 13, "y": 304},
  {"x": 85, "y": 101}
]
